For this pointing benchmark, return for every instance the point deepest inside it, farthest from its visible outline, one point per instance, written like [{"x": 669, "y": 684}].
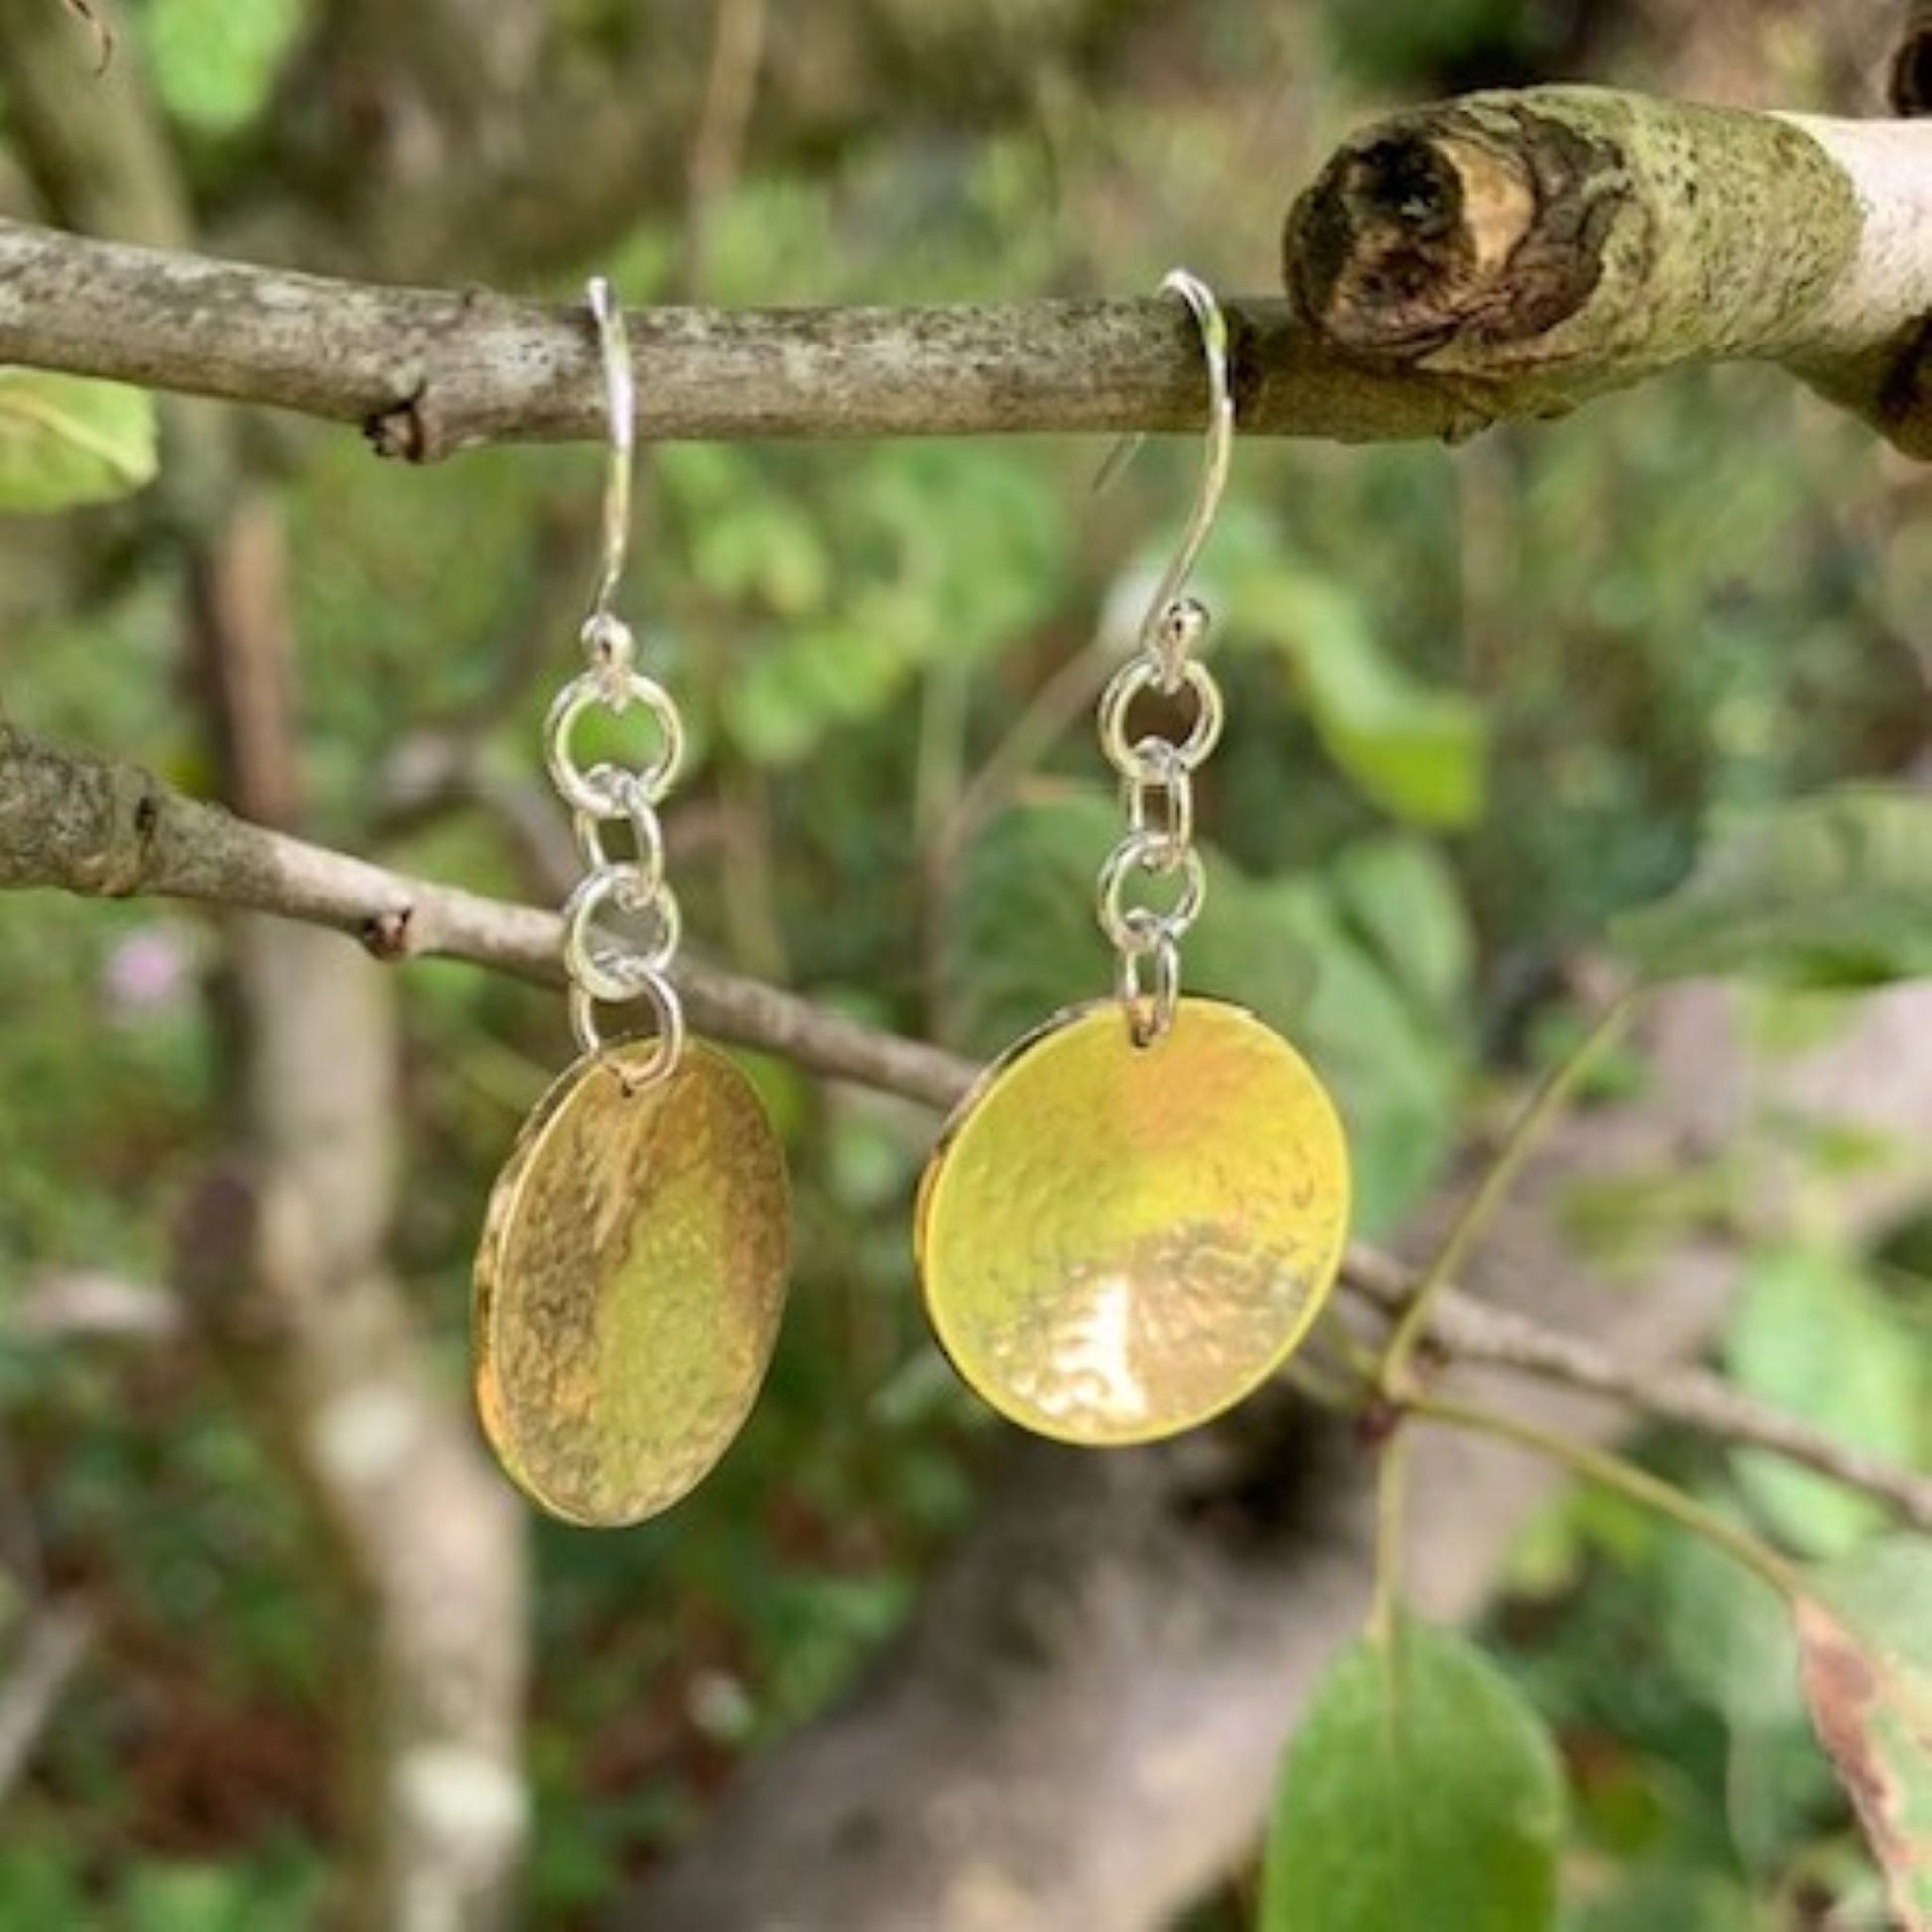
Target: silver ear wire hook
[
  {"x": 1157, "y": 773},
  {"x": 1199, "y": 298},
  {"x": 1214, "y": 332},
  {"x": 621, "y": 409},
  {"x": 605, "y": 795}
]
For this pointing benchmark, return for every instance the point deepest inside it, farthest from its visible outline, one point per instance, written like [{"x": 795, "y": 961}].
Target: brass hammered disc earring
[
  {"x": 631, "y": 1275},
  {"x": 1140, "y": 1209}
]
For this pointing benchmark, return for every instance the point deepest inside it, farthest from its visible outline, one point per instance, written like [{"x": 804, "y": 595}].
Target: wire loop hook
[
  {"x": 1218, "y": 453},
  {"x": 621, "y": 414}
]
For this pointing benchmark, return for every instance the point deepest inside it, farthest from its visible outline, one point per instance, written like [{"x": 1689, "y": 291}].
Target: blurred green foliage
[
  {"x": 66, "y": 442},
  {"x": 1399, "y": 47},
  {"x": 1814, "y": 1338},
  {"x": 1827, "y": 890},
  {"x": 1482, "y": 703},
  {"x": 214, "y": 62}
]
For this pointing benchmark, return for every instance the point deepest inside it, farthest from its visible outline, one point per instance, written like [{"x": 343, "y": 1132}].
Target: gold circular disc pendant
[
  {"x": 1120, "y": 1242},
  {"x": 630, "y": 1284}
]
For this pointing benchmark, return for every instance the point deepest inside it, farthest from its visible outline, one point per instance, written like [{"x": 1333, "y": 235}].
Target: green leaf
[
  {"x": 1397, "y": 1070},
  {"x": 766, "y": 549},
  {"x": 215, "y": 60},
  {"x": 1831, "y": 890},
  {"x": 1668, "y": 1898},
  {"x": 1400, "y": 894},
  {"x": 42, "y": 1881},
  {"x": 806, "y": 682},
  {"x": 1416, "y": 752},
  {"x": 939, "y": 554},
  {"x": 1865, "y": 1641},
  {"x": 183, "y": 1897},
  {"x": 1420, "y": 1789},
  {"x": 1398, "y": 49},
  {"x": 64, "y": 441},
  {"x": 1810, "y": 1337},
  {"x": 1020, "y": 937},
  {"x": 1727, "y": 1633}
]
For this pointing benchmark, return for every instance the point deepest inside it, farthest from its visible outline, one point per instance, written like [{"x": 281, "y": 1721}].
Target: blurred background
[{"x": 1480, "y": 701}]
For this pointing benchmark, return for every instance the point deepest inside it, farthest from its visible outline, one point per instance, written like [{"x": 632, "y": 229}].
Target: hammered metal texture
[
  {"x": 1120, "y": 1242},
  {"x": 629, "y": 1285}
]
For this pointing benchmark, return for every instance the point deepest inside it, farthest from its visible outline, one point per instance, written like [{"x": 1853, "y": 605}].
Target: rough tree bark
[{"x": 1546, "y": 246}]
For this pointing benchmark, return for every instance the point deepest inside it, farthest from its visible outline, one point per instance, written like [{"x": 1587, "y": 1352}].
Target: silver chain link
[
  {"x": 1157, "y": 789},
  {"x": 1156, "y": 773},
  {"x": 604, "y": 969}
]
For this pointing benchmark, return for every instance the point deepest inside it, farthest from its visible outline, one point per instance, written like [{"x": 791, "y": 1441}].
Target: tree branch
[
  {"x": 1507, "y": 256},
  {"x": 106, "y": 830},
  {"x": 52, "y": 1646},
  {"x": 1465, "y": 1328},
  {"x": 284, "y": 1260},
  {"x": 90, "y": 130},
  {"x": 69, "y": 1304},
  {"x": 283, "y": 1265},
  {"x": 1540, "y": 248},
  {"x": 427, "y": 373}
]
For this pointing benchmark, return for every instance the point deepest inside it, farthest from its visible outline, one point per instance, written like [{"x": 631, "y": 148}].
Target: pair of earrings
[{"x": 1127, "y": 1226}]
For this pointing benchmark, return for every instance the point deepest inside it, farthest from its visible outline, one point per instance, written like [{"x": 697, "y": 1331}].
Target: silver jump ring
[
  {"x": 1127, "y": 927},
  {"x": 646, "y": 831},
  {"x": 1172, "y": 825},
  {"x": 1150, "y": 1011},
  {"x": 613, "y": 973},
  {"x": 668, "y": 1033},
  {"x": 598, "y": 790},
  {"x": 1140, "y": 674}
]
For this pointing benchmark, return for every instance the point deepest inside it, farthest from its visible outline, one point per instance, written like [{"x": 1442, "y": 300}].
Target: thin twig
[
  {"x": 1613, "y": 1472},
  {"x": 105, "y": 829},
  {"x": 717, "y": 147},
  {"x": 1487, "y": 1195},
  {"x": 430, "y": 372},
  {"x": 1391, "y": 1518},
  {"x": 1046, "y": 716},
  {"x": 57, "y": 1639},
  {"x": 82, "y": 1304},
  {"x": 1468, "y": 1329}
]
